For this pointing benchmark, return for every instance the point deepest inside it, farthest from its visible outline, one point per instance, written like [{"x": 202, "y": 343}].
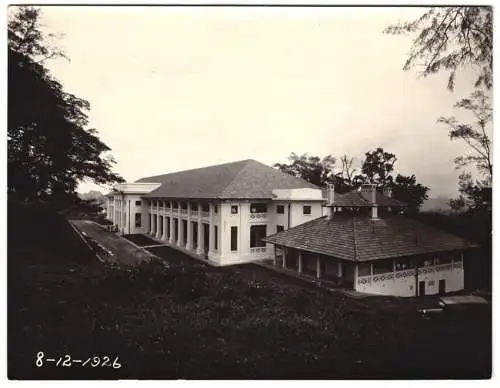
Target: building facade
[
  {"x": 246, "y": 211},
  {"x": 220, "y": 213}
]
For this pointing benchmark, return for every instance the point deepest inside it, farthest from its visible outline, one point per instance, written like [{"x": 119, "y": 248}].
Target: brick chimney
[
  {"x": 330, "y": 194},
  {"x": 330, "y": 199},
  {"x": 369, "y": 192}
]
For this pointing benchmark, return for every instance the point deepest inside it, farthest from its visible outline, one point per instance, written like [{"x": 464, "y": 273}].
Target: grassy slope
[{"x": 196, "y": 322}]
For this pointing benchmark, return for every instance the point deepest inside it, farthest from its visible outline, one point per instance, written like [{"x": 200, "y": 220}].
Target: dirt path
[{"x": 111, "y": 248}]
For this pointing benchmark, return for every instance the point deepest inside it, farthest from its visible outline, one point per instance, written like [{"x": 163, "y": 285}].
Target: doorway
[
  {"x": 421, "y": 288},
  {"x": 442, "y": 286}
]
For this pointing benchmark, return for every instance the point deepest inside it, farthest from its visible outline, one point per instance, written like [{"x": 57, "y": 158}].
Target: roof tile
[
  {"x": 242, "y": 179},
  {"x": 363, "y": 239}
]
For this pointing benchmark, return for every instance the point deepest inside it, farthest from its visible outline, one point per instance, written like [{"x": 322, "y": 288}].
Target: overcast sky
[{"x": 179, "y": 88}]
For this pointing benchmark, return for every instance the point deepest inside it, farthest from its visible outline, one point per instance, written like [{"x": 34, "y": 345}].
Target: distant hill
[
  {"x": 436, "y": 204},
  {"x": 95, "y": 195}
]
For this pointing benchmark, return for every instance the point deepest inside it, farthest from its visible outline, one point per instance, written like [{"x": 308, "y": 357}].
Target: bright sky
[{"x": 179, "y": 88}]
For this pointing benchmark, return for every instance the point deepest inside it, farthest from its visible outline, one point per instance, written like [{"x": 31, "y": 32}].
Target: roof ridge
[
  {"x": 247, "y": 161},
  {"x": 194, "y": 169}
]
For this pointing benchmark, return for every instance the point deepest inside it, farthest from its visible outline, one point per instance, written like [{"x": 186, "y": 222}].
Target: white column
[
  {"x": 179, "y": 224},
  {"x": 211, "y": 236},
  {"x": 339, "y": 269},
  {"x": 199, "y": 248},
  {"x": 151, "y": 221},
  {"x": 171, "y": 237},
  {"x": 300, "y": 261},
  {"x": 164, "y": 237},
  {"x": 355, "y": 282},
  {"x": 120, "y": 215},
  {"x": 318, "y": 267},
  {"x": 189, "y": 244},
  {"x": 158, "y": 221}
]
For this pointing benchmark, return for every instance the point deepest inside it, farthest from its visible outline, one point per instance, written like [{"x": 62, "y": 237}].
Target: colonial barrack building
[{"x": 246, "y": 211}]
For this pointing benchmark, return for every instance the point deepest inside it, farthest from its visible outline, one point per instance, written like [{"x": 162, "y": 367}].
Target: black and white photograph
[{"x": 245, "y": 191}]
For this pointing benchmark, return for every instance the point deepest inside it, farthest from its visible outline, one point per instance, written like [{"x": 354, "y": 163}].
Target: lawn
[{"x": 189, "y": 320}]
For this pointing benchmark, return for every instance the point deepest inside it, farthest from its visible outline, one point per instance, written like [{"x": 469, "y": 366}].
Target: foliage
[
  {"x": 451, "y": 38},
  {"x": 407, "y": 190},
  {"x": 313, "y": 169},
  {"x": 474, "y": 195},
  {"x": 239, "y": 322},
  {"x": 49, "y": 148},
  {"x": 346, "y": 177},
  {"x": 377, "y": 168},
  {"x": 474, "y": 135}
]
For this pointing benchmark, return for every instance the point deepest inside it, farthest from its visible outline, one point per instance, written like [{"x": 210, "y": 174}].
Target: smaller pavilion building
[{"x": 365, "y": 243}]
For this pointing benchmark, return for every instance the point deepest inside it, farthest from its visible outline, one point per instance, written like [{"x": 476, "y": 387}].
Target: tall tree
[
  {"x": 313, "y": 169},
  {"x": 50, "y": 148},
  {"x": 475, "y": 195},
  {"x": 475, "y": 135},
  {"x": 451, "y": 38},
  {"x": 407, "y": 190},
  {"x": 377, "y": 168}
]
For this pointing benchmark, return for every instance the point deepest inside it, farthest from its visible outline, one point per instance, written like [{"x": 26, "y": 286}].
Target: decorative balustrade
[
  {"x": 205, "y": 214},
  {"x": 443, "y": 267},
  {"x": 256, "y": 216},
  {"x": 194, "y": 213},
  {"x": 184, "y": 212},
  {"x": 382, "y": 277},
  {"x": 368, "y": 279}
]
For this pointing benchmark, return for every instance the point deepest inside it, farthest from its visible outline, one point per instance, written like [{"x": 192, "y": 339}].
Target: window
[
  {"x": 257, "y": 233},
  {"x": 138, "y": 220},
  {"x": 137, "y": 203},
  {"x": 205, "y": 207},
  {"x": 306, "y": 210},
  {"x": 216, "y": 209},
  {"x": 234, "y": 238},
  {"x": 184, "y": 205},
  {"x": 279, "y": 228},
  {"x": 167, "y": 204},
  {"x": 280, "y": 209},
  {"x": 176, "y": 205},
  {"x": 258, "y": 208},
  {"x": 234, "y": 209},
  {"x": 215, "y": 238},
  {"x": 194, "y": 206}
]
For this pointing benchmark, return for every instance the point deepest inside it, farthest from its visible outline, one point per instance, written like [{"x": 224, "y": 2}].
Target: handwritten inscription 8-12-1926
[{"x": 67, "y": 361}]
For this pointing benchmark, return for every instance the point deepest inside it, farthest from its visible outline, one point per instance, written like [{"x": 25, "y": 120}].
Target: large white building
[
  {"x": 220, "y": 213},
  {"x": 246, "y": 211}
]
